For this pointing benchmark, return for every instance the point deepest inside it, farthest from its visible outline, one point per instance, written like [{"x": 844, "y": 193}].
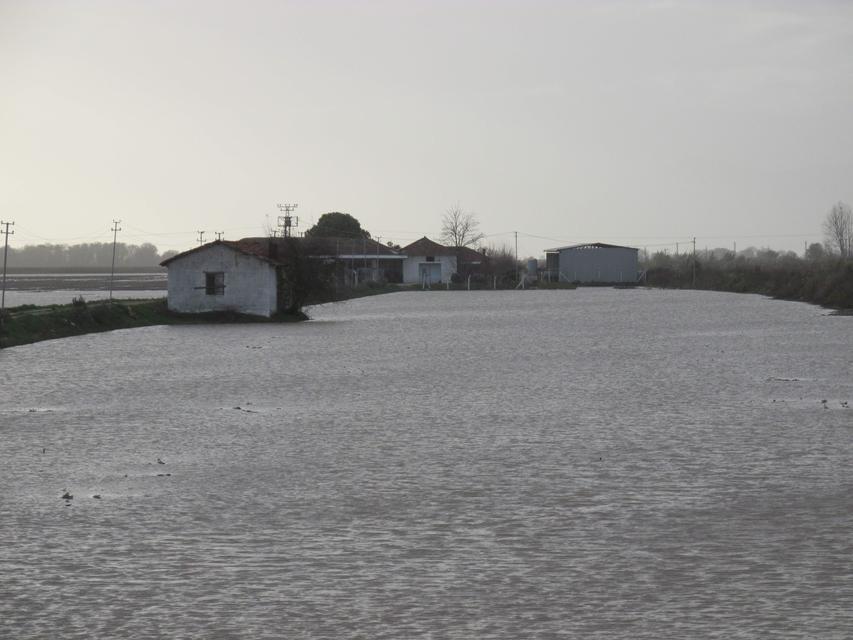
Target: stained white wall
[
  {"x": 250, "y": 283},
  {"x": 411, "y": 268}
]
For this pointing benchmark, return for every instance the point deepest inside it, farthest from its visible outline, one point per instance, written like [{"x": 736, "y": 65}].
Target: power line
[{"x": 32, "y": 234}]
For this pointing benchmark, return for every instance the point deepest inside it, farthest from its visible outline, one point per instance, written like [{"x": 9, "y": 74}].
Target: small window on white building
[{"x": 214, "y": 283}]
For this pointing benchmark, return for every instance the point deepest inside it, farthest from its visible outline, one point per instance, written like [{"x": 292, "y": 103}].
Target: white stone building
[{"x": 222, "y": 276}]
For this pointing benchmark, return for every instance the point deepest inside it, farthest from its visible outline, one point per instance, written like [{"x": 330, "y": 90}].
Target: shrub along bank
[{"x": 825, "y": 282}]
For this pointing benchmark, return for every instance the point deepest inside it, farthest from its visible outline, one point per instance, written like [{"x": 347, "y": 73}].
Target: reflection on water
[{"x": 590, "y": 464}]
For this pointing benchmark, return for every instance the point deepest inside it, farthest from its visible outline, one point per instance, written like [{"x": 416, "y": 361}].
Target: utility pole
[
  {"x": 115, "y": 231},
  {"x": 5, "y": 232},
  {"x": 694, "y": 262},
  {"x": 219, "y": 234},
  {"x": 287, "y": 220},
  {"x": 200, "y": 238},
  {"x": 516, "y": 255},
  {"x": 376, "y": 273}
]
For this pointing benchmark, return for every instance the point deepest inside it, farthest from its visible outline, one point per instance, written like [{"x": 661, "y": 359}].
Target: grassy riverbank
[
  {"x": 24, "y": 325},
  {"x": 30, "y": 323}
]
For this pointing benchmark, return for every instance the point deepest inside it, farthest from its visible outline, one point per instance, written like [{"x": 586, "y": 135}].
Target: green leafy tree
[
  {"x": 337, "y": 225},
  {"x": 815, "y": 252}
]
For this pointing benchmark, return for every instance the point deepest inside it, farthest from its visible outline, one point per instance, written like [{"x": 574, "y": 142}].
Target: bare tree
[
  {"x": 460, "y": 229},
  {"x": 269, "y": 230},
  {"x": 838, "y": 228}
]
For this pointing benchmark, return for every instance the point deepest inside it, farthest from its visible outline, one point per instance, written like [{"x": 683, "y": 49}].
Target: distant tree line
[
  {"x": 90, "y": 255},
  {"x": 823, "y": 275}
]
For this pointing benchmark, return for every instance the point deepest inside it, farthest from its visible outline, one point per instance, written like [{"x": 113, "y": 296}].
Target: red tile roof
[
  {"x": 426, "y": 247},
  {"x": 228, "y": 243},
  {"x": 273, "y": 249}
]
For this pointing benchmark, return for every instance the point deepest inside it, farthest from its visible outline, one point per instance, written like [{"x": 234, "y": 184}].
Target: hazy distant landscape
[{"x": 93, "y": 256}]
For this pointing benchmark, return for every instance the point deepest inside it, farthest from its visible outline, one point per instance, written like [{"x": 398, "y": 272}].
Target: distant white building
[
  {"x": 427, "y": 262},
  {"x": 593, "y": 263}
]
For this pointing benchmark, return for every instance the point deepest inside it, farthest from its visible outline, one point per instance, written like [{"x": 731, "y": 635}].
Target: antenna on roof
[{"x": 287, "y": 221}]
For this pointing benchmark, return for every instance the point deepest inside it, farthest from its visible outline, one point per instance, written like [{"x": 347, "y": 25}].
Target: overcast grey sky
[{"x": 637, "y": 123}]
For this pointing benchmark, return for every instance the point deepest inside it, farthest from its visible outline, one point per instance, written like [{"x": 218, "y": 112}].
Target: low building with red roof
[
  {"x": 428, "y": 262},
  {"x": 252, "y": 275}
]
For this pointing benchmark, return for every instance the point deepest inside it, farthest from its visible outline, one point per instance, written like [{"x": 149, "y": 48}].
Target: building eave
[
  {"x": 590, "y": 245},
  {"x": 223, "y": 243}
]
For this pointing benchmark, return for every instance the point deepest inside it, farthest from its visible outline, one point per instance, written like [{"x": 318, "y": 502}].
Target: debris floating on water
[{"x": 239, "y": 408}]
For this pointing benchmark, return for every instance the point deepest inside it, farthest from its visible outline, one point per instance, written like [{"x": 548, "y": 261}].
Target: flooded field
[
  {"x": 61, "y": 288},
  {"x": 577, "y": 464}
]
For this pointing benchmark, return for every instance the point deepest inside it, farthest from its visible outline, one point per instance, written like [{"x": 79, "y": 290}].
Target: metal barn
[{"x": 593, "y": 263}]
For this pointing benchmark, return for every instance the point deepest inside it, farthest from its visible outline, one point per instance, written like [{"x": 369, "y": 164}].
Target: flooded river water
[{"x": 578, "y": 464}]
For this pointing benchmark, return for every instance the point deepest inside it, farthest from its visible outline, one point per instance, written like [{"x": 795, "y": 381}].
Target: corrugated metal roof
[{"x": 590, "y": 245}]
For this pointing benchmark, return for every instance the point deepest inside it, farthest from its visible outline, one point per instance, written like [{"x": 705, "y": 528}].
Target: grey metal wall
[{"x": 599, "y": 264}]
